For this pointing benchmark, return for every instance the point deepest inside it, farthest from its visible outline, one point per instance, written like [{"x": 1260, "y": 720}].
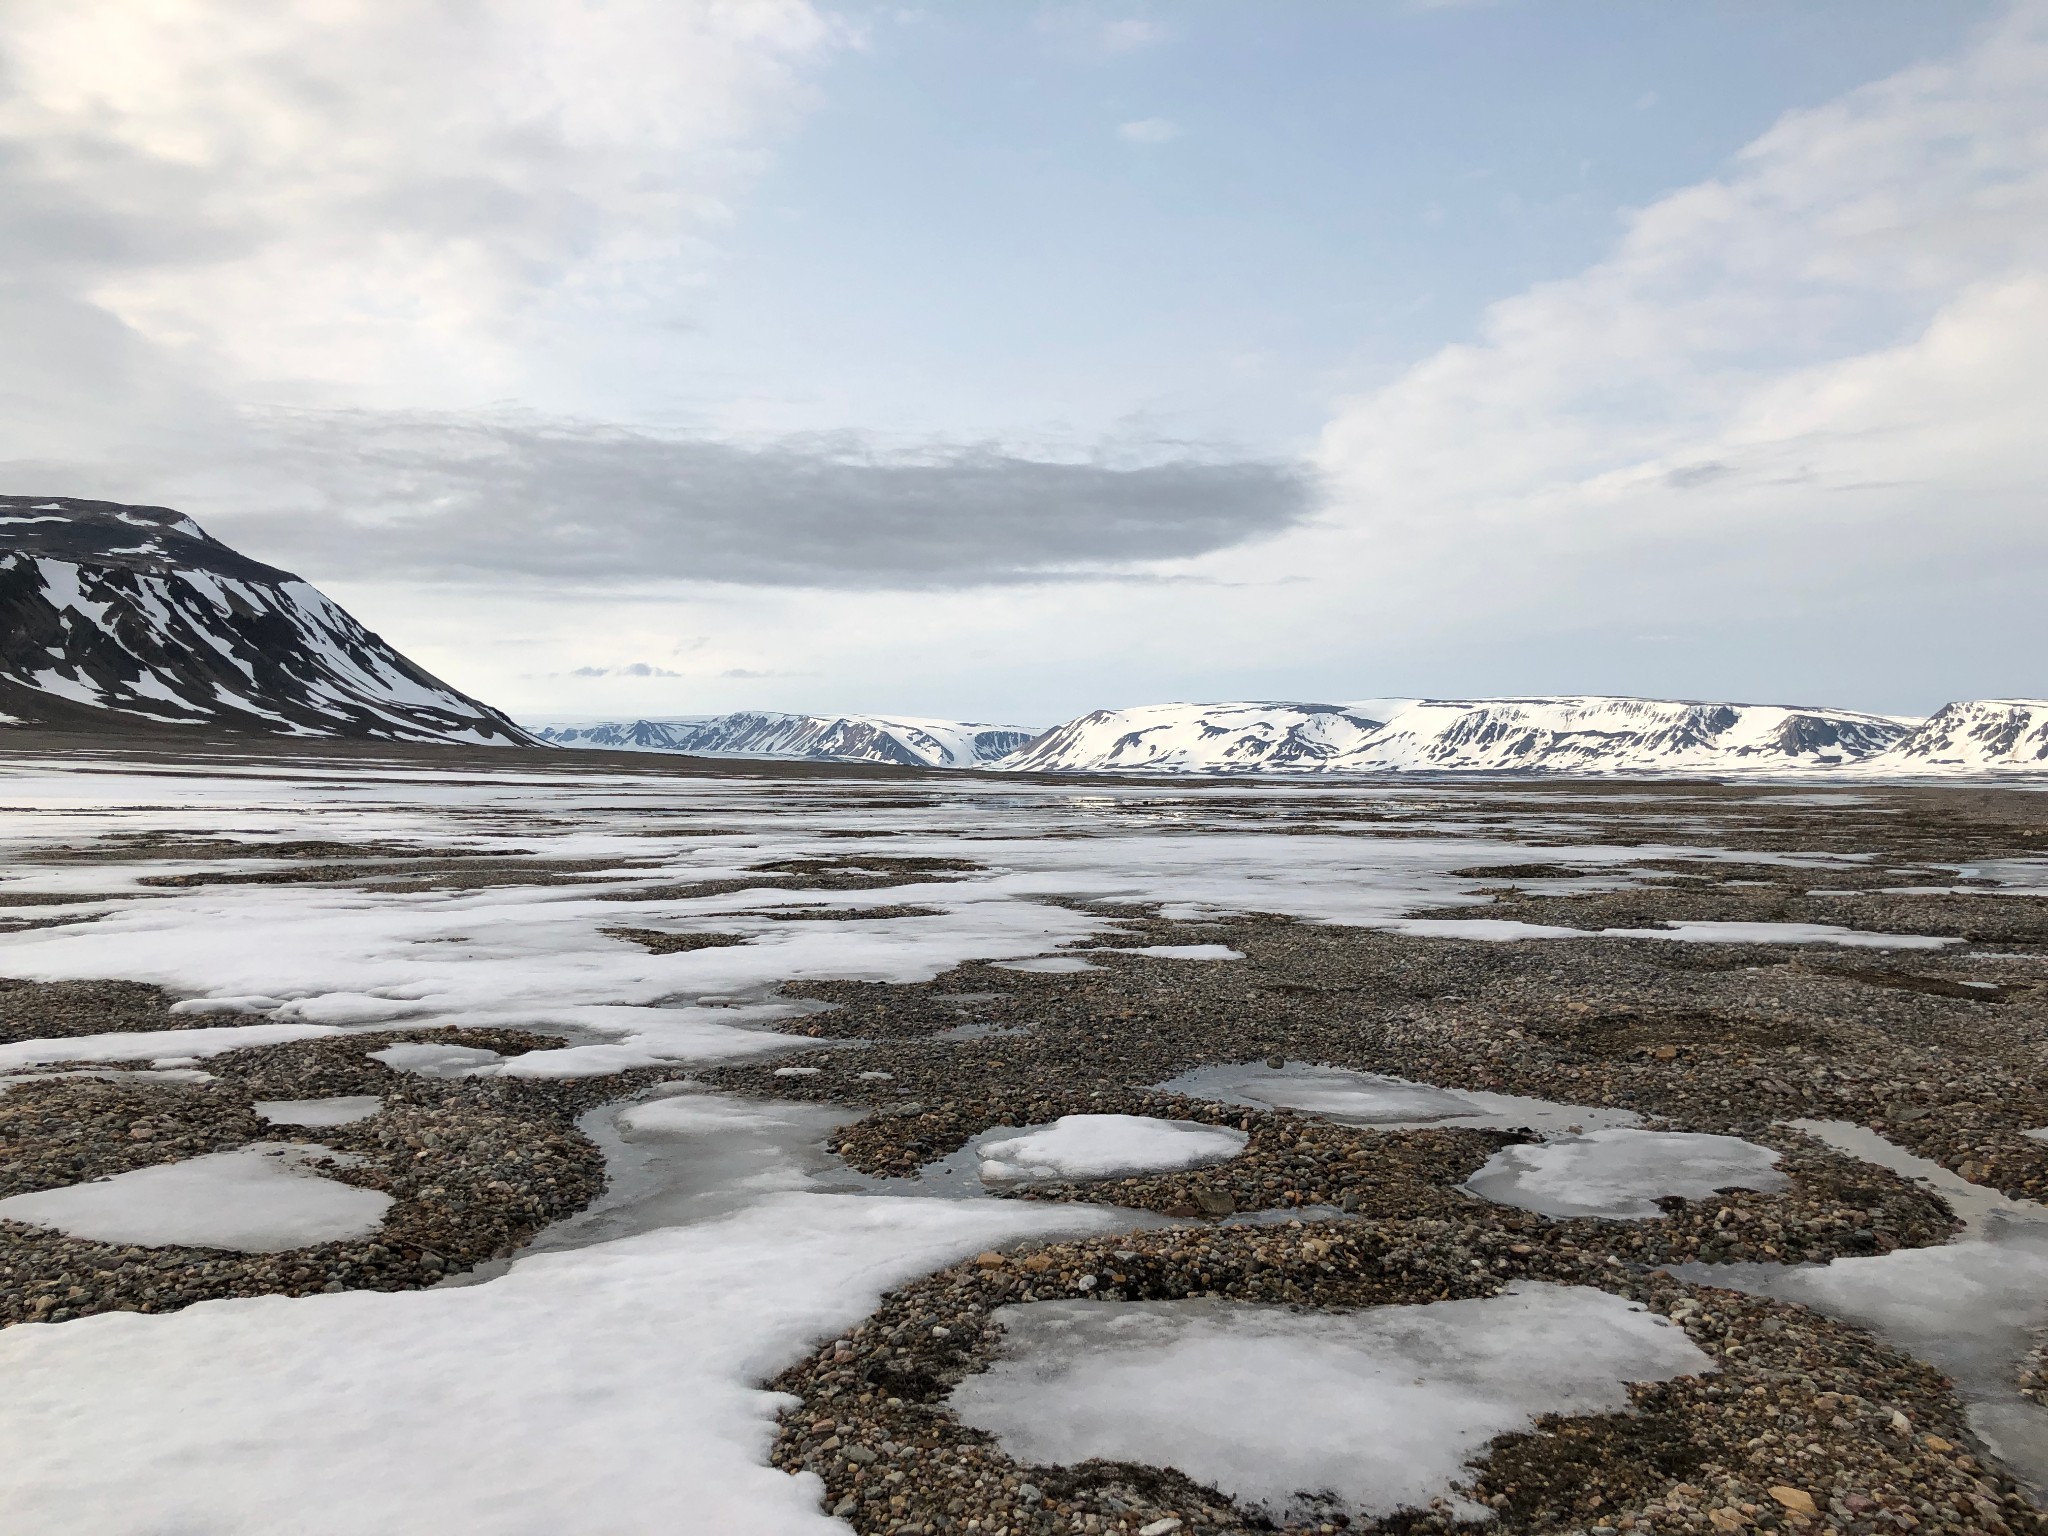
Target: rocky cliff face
[{"x": 114, "y": 615}]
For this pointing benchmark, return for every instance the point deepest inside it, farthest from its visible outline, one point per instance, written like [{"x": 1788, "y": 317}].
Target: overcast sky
[{"x": 1005, "y": 361}]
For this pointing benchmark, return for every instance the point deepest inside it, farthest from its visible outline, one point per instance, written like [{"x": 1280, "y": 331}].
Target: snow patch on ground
[
  {"x": 1378, "y": 1409},
  {"x": 1619, "y": 1174},
  {"x": 262, "y": 1198},
  {"x": 1107, "y": 1146}
]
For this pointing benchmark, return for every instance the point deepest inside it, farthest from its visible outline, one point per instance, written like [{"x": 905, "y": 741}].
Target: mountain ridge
[{"x": 116, "y": 616}]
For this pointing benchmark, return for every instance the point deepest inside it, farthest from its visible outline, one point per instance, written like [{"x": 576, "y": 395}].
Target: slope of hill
[
  {"x": 1974, "y": 736},
  {"x": 1551, "y": 735},
  {"x": 1199, "y": 738},
  {"x": 114, "y": 615},
  {"x": 826, "y": 738}
]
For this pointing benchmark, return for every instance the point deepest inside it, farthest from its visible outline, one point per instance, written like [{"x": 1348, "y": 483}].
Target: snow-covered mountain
[
  {"x": 112, "y": 614},
  {"x": 1199, "y": 738},
  {"x": 1976, "y": 736},
  {"x": 827, "y": 738},
  {"x": 1550, "y": 735}
]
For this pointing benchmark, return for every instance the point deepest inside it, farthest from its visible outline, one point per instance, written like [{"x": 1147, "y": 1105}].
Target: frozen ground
[
  {"x": 1379, "y": 1410},
  {"x": 614, "y": 1368}
]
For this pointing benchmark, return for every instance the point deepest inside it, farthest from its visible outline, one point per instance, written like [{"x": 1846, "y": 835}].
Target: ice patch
[
  {"x": 1619, "y": 1174},
  {"x": 1387, "y": 1103},
  {"x": 338, "y": 1111},
  {"x": 1107, "y": 1146},
  {"x": 251, "y": 1004},
  {"x": 425, "y": 1060},
  {"x": 1048, "y": 965},
  {"x": 1185, "y": 952},
  {"x": 262, "y": 1198},
  {"x": 1371, "y": 1411}
]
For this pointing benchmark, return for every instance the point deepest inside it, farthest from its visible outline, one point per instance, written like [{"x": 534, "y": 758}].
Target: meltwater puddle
[{"x": 1969, "y": 1308}]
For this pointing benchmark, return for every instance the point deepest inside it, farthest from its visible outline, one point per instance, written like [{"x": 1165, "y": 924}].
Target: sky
[{"x": 1004, "y": 361}]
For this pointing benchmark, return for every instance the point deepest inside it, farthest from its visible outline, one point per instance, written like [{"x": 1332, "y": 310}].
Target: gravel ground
[
  {"x": 1854, "y": 1436},
  {"x": 475, "y": 1167},
  {"x": 1944, "y": 1051}
]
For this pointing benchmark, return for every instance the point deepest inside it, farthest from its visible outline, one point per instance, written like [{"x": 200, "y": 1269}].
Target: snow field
[{"x": 606, "y": 1390}]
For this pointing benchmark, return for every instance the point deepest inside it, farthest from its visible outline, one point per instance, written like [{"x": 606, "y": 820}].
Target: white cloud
[
  {"x": 355, "y": 195},
  {"x": 1149, "y": 130},
  {"x": 1131, "y": 34},
  {"x": 1816, "y": 371}
]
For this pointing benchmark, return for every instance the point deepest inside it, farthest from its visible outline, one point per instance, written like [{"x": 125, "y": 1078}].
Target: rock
[
  {"x": 1798, "y": 1500},
  {"x": 860, "y": 1455},
  {"x": 1029, "y": 1493},
  {"x": 1215, "y": 1202},
  {"x": 1160, "y": 1527},
  {"x": 1936, "y": 1443},
  {"x": 1276, "y": 1063},
  {"x": 990, "y": 1260}
]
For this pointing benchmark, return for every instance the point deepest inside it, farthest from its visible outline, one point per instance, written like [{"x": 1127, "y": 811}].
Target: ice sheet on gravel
[
  {"x": 611, "y": 1388},
  {"x": 1389, "y": 1103},
  {"x": 1619, "y": 1174},
  {"x": 263, "y": 1198},
  {"x": 1381, "y": 1407},
  {"x": 1107, "y": 1146}
]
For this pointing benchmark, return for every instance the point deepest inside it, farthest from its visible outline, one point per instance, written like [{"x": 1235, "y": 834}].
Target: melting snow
[
  {"x": 1378, "y": 1409},
  {"x": 1620, "y": 1174},
  {"x": 262, "y": 1198},
  {"x": 597, "y": 1390},
  {"x": 1107, "y": 1146}
]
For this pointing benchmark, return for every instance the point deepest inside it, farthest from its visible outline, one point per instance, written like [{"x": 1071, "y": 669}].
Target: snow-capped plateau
[
  {"x": 912, "y": 743},
  {"x": 114, "y": 615},
  {"x": 1976, "y": 736},
  {"x": 1568, "y": 735}
]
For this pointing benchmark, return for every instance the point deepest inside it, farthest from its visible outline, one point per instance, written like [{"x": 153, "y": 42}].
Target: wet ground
[{"x": 1725, "y": 960}]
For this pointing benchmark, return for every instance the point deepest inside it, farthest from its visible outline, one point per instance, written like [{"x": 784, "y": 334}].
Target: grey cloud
[
  {"x": 631, "y": 669},
  {"x": 469, "y": 500}
]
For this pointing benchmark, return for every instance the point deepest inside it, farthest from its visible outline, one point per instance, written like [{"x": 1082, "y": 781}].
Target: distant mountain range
[
  {"x": 827, "y": 738},
  {"x": 1567, "y": 735},
  {"x": 114, "y": 616}
]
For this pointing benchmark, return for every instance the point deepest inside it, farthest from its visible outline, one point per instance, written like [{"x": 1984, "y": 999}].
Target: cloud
[
  {"x": 1130, "y": 34},
  {"x": 1812, "y": 380},
  {"x": 1149, "y": 130},
  {"x": 343, "y": 194},
  {"x": 474, "y": 499},
  {"x": 631, "y": 669}
]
